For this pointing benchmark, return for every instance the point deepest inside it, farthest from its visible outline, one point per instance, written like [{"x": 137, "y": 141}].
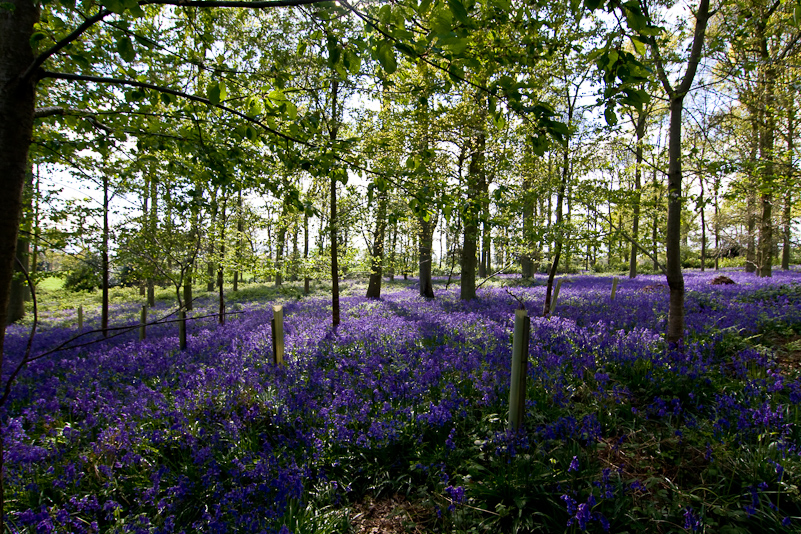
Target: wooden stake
[
  {"x": 142, "y": 323},
  {"x": 614, "y": 287},
  {"x": 555, "y": 296},
  {"x": 517, "y": 387},
  {"x": 80, "y": 317},
  {"x": 278, "y": 335},
  {"x": 182, "y": 329}
]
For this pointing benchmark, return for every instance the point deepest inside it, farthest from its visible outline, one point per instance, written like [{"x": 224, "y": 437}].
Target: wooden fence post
[
  {"x": 614, "y": 287},
  {"x": 517, "y": 387},
  {"x": 278, "y": 335},
  {"x": 142, "y": 323},
  {"x": 80, "y": 317},
  {"x": 182, "y": 328},
  {"x": 555, "y": 296}
]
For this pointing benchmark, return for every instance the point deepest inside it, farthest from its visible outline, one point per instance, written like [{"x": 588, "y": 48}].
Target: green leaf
[
  {"x": 610, "y": 116},
  {"x": 353, "y": 61},
  {"x": 302, "y": 47},
  {"x": 797, "y": 15},
  {"x": 441, "y": 20},
  {"x": 166, "y": 98},
  {"x": 592, "y": 5},
  {"x": 125, "y": 49},
  {"x": 458, "y": 10},
  {"x": 386, "y": 57},
  {"x": 216, "y": 93},
  {"x": 639, "y": 46},
  {"x": 115, "y": 6},
  {"x": 36, "y": 37}
]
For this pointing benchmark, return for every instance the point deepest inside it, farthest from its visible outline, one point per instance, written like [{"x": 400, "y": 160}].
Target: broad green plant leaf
[{"x": 125, "y": 48}]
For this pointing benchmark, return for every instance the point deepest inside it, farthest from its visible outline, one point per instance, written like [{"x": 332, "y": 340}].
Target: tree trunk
[
  {"x": 750, "y": 255},
  {"x": 675, "y": 277},
  {"x": 305, "y": 253},
  {"x": 787, "y": 220},
  {"x": 221, "y": 266},
  {"x": 392, "y": 251},
  {"x": 377, "y": 256},
  {"x": 19, "y": 286},
  {"x": 426, "y": 243},
  {"x": 153, "y": 219},
  {"x": 559, "y": 238},
  {"x": 766, "y": 153},
  {"x": 239, "y": 241},
  {"x": 104, "y": 305},
  {"x": 635, "y": 223},
  {"x": 526, "y": 265},
  {"x": 17, "y": 103},
  {"x": 279, "y": 254},
  {"x": 475, "y": 187},
  {"x": 333, "y": 129}
]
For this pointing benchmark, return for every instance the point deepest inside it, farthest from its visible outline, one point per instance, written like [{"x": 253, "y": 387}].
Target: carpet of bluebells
[{"x": 409, "y": 397}]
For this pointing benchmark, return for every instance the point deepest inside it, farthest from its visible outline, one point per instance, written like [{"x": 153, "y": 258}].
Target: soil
[{"x": 390, "y": 515}]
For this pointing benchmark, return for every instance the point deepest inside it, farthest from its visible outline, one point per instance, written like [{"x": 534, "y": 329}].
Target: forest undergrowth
[{"x": 401, "y": 412}]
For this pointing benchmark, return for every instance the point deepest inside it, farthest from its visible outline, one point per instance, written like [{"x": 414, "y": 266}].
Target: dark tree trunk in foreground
[{"x": 17, "y": 103}]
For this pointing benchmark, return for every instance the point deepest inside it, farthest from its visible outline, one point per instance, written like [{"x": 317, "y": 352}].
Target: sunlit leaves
[
  {"x": 385, "y": 55},
  {"x": 216, "y": 92}
]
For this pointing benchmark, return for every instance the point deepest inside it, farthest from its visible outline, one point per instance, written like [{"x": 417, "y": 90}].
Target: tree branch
[
  {"x": 77, "y": 32},
  {"x": 194, "y": 98},
  {"x": 232, "y": 3}
]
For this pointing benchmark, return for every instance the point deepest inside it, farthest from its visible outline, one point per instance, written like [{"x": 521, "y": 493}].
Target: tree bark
[
  {"x": 19, "y": 286},
  {"x": 17, "y": 104},
  {"x": 635, "y": 223},
  {"x": 332, "y": 131},
  {"x": 766, "y": 153},
  {"x": 476, "y": 185},
  {"x": 787, "y": 220},
  {"x": 425, "y": 244},
  {"x": 104, "y": 253},
  {"x": 675, "y": 277},
  {"x": 526, "y": 265},
  {"x": 153, "y": 220},
  {"x": 377, "y": 256}
]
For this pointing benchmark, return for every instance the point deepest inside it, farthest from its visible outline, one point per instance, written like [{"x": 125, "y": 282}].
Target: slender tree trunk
[
  {"x": 221, "y": 265},
  {"x": 787, "y": 220},
  {"x": 240, "y": 223},
  {"x": 703, "y": 226},
  {"x": 559, "y": 238},
  {"x": 153, "y": 219},
  {"x": 392, "y": 251},
  {"x": 635, "y": 223},
  {"x": 526, "y": 265},
  {"x": 305, "y": 253},
  {"x": 279, "y": 254},
  {"x": 104, "y": 306},
  {"x": 675, "y": 277},
  {"x": 377, "y": 256},
  {"x": 750, "y": 255},
  {"x": 334, "y": 222}
]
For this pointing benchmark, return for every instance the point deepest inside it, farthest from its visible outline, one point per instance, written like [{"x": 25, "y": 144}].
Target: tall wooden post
[
  {"x": 614, "y": 287},
  {"x": 555, "y": 296},
  {"x": 278, "y": 335},
  {"x": 517, "y": 387},
  {"x": 80, "y": 317},
  {"x": 142, "y": 323}
]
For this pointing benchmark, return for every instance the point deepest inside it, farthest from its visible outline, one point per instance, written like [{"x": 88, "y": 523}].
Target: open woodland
[{"x": 397, "y": 266}]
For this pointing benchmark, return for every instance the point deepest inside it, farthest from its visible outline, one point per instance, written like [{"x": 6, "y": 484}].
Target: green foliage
[{"x": 82, "y": 273}]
